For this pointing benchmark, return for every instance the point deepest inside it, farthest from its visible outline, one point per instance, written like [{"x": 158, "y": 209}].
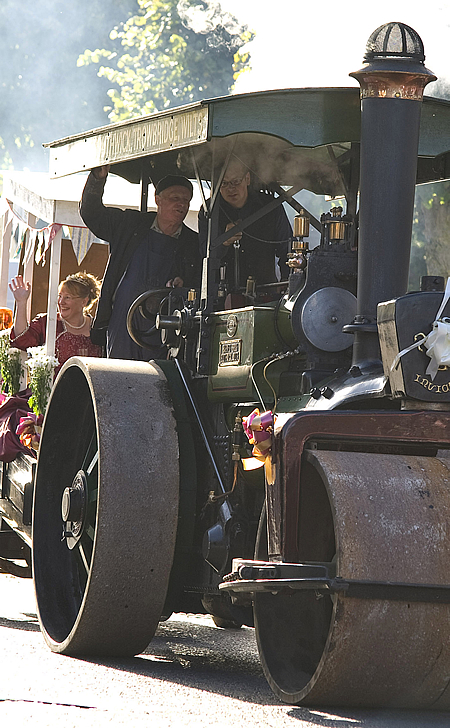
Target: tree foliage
[{"x": 172, "y": 52}]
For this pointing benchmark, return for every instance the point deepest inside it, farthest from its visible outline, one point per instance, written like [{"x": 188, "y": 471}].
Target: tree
[{"x": 172, "y": 52}]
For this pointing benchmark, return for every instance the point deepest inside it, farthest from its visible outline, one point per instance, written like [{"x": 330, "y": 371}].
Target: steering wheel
[{"x": 148, "y": 307}]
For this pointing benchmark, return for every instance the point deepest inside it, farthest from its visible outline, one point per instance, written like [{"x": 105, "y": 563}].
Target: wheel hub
[{"x": 73, "y": 508}]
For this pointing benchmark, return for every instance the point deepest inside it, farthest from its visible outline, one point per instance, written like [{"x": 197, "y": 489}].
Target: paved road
[{"x": 193, "y": 675}]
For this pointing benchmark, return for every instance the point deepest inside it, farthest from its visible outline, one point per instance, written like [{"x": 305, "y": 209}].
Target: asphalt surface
[{"x": 193, "y": 675}]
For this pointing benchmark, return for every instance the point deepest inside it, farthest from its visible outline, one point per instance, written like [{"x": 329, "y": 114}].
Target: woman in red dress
[{"x": 77, "y": 295}]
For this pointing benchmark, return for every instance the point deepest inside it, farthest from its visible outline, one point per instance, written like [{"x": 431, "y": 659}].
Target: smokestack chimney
[{"x": 392, "y": 82}]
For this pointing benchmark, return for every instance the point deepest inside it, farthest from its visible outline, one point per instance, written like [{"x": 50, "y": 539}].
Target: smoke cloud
[
  {"x": 208, "y": 17},
  {"x": 270, "y": 159}
]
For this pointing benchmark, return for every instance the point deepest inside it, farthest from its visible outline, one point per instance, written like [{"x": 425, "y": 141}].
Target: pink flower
[
  {"x": 259, "y": 428},
  {"x": 28, "y": 430}
]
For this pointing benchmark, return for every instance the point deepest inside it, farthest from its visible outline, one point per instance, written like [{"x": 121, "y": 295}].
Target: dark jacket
[
  {"x": 124, "y": 230},
  {"x": 260, "y": 243}
]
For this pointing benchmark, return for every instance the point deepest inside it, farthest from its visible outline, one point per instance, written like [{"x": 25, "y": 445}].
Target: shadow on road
[
  {"x": 31, "y": 625},
  {"x": 382, "y": 718},
  {"x": 194, "y": 653},
  {"x": 226, "y": 662},
  {"x": 204, "y": 657}
]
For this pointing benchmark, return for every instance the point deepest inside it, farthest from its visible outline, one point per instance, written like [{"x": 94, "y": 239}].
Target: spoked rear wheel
[{"x": 106, "y": 507}]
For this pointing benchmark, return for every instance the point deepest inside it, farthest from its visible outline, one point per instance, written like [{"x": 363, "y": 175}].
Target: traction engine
[{"x": 286, "y": 467}]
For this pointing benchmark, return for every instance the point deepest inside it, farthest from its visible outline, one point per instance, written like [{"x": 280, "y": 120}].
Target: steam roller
[{"x": 287, "y": 466}]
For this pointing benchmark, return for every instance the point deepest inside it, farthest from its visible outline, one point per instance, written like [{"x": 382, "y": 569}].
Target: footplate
[{"x": 277, "y": 577}]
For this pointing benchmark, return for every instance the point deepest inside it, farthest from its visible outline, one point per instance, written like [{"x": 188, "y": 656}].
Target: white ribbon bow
[{"x": 437, "y": 343}]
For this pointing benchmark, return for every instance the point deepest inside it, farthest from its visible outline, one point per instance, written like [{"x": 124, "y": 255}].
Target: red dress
[{"x": 67, "y": 344}]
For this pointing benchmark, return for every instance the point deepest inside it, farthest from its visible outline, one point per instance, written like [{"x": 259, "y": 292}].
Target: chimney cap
[
  {"x": 394, "y": 40},
  {"x": 397, "y": 48}
]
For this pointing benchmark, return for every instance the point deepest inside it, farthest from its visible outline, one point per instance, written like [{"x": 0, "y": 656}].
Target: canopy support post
[
  {"x": 4, "y": 264},
  {"x": 29, "y": 259},
  {"x": 145, "y": 183},
  {"x": 53, "y": 284}
]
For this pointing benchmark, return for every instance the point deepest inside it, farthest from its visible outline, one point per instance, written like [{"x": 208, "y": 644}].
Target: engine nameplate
[{"x": 230, "y": 352}]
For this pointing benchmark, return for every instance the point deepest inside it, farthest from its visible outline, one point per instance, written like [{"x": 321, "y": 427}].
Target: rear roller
[
  {"x": 374, "y": 517},
  {"x": 106, "y": 507}
]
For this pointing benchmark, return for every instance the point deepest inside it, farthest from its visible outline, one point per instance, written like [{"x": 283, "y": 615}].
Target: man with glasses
[{"x": 262, "y": 247}]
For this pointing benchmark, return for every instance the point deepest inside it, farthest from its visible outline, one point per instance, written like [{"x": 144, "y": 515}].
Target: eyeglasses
[
  {"x": 66, "y": 299},
  {"x": 227, "y": 184}
]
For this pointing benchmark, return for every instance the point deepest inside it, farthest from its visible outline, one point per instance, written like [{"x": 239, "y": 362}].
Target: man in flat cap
[{"x": 147, "y": 250}]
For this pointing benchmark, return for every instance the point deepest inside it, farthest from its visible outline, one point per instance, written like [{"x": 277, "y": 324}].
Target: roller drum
[{"x": 380, "y": 518}]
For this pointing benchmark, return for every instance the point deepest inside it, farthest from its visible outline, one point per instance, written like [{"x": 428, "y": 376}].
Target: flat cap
[{"x": 174, "y": 180}]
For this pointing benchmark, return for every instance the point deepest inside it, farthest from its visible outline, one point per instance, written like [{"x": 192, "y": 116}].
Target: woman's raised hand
[{"x": 20, "y": 290}]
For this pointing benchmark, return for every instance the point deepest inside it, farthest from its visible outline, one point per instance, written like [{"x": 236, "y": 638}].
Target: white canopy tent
[{"x": 42, "y": 205}]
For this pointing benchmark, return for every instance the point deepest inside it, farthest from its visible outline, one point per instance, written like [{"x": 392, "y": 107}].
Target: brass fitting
[{"x": 301, "y": 226}]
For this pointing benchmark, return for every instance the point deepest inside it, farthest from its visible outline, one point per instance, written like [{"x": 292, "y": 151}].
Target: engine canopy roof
[{"x": 300, "y": 137}]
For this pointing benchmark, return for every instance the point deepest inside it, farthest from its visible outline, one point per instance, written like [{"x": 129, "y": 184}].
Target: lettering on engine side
[
  {"x": 437, "y": 388},
  {"x": 230, "y": 352}
]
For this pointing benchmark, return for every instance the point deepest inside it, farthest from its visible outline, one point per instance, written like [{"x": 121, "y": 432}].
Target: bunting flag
[
  {"x": 30, "y": 242},
  {"x": 38, "y": 240},
  {"x": 23, "y": 238},
  {"x": 8, "y": 219},
  {"x": 16, "y": 243},
  {"x": 39, "y": 255},
  {"x": 82, "y": 239},
  {"x": 45, "y": 237}
]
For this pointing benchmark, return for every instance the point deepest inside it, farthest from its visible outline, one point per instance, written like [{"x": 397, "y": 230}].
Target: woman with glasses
[{"x": 77, "y": 295}]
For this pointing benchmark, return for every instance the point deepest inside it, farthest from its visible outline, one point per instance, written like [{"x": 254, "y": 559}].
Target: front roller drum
[
  {"x": 106, "y": 507},
  {"x": 375, "y": 518}
]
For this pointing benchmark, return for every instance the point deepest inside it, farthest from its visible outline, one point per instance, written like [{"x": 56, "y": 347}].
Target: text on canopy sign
[{"x": 138, "y": 138}]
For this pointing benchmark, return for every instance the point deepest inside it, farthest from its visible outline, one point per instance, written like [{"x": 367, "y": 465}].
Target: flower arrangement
[
  {"x": 11, "y": 367},
  {"x": 40, "y": 367}
]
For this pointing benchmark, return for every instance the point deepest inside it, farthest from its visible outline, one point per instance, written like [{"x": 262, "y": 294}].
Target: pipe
[
  {"x": 201, "y": 426},
  {"x": 392, "y": 83}
]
